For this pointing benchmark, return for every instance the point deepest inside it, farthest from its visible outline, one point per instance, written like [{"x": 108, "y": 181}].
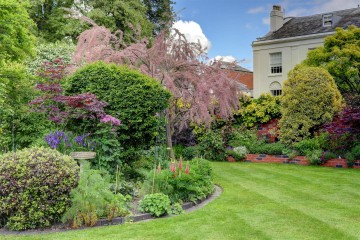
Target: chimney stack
[{"x": 276, "y": 18}]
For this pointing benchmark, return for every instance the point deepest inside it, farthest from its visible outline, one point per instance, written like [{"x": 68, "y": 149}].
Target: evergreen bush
[
  {"x": 132, "y": 97},
  {"x": 35, "y": 185},
  {"x": 310, "y": 98}
]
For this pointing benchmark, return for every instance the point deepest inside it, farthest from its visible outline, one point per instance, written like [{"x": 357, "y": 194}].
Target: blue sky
[{"x": 230, "y": 26}]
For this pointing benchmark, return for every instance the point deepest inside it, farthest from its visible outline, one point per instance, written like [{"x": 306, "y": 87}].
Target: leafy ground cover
[{"x": 260, "y": 201}]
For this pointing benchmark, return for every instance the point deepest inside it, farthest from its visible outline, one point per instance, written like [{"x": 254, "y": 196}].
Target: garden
[{"x": 98, "y": 124}]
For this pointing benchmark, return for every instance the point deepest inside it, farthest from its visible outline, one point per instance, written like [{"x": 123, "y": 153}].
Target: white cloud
[
  {"x": 333, "y": 5},
  {"x": 318, "y": 6},
  {"x": 256, "y": 10},
  {"x": 266, "y": 20},
  {"x": 193, "y": 32},
  {"x": 225, "y": 58}
]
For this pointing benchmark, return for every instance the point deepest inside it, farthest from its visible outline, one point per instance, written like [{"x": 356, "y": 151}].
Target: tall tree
[
  {"x": 49, "y": 17},
  {"x": 199, "y": 91},
  {"x": 16, "y": 37},
  {"x": 160, "y": 13},
  {"x": 340, "y": 55},
  {"x": 128, "y": 16}
]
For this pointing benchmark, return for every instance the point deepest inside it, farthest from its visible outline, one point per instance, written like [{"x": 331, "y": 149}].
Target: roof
[
  {"x": 232, "y": 66},
  {"x": 301, "y": 26},
  {"x": 242, "y": 76}
]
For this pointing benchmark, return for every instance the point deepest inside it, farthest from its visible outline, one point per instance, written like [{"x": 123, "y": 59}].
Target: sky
[{"x": 228, "y": 27}]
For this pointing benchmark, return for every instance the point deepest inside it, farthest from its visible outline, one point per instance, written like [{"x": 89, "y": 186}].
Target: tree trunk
[{"x": 169, "y": 135}]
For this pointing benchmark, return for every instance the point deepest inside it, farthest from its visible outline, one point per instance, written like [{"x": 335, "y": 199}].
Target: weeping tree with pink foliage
[{"x": 200, "y": 91}]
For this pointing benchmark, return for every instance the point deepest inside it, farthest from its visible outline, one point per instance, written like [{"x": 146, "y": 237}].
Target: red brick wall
[
  {"x": 242, "y": 77},
  {"x": 265, "y": 128},
  {"x": 337, "y": 162}
]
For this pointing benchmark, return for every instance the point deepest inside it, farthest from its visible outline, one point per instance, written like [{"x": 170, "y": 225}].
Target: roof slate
[{"x": 301, "y": 26}]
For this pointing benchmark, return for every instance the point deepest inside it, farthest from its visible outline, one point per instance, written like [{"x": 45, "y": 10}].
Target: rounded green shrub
[
  {"x": 132, "y": 97},
  {"x": 156, "y": 204},
  {"x": 310, "y": 98},
  {"x": 35, "y": 185}
]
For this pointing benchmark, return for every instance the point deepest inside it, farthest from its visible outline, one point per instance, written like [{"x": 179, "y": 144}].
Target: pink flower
[
  {"x": 180, "y": 166},
  {"x": 172, "y": 167},
  {"x": 187, "y": 168},
  {"x": 110, "y": 119}
]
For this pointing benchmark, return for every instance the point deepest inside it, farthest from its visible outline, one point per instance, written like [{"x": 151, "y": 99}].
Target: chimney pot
[{"x": 276, "y": 18}]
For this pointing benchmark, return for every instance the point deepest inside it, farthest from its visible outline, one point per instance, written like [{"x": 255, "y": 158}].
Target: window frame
[
  {"x": 327, "y": 20},
  {"x": 276, "y": 92},
  {"x": 276, "y": 63}
]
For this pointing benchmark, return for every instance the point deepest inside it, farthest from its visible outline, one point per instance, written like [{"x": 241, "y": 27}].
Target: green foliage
[
  {"x": 317, "y": 142},
  {"x": 93, "y": 199},
  {"x": 260, "y": 110},
  {"x": 160, "y": 13},
  {"x": 132, "y": 97},
  {"x": 327, "y": 156},
  {"x": 268, "y": 148},
  {"x": 19, "y": 127},
  {"x": 52, "y": 20},
  {"x": 211, "y": 146},
  {"x": 128, "y": 16},
  {"x": 310, "y": 98},
  {"x": 239, "y": 153},
  {"x": 108, "y": 148},
  {"x": 175, "y": 209},
  {"x": 244, "y": 137},
  {"x": 17, "y": 40},
  {"x": 340, "y": 55},
  {"x": 157, "y": 204},
  {"x": 195, "y": 185},
  {"x": 48, "y": 52},
  {"x": 352, "y": 155},
  {"x": 35, "y": 185},
  {"x": 314, "y": 156},
  {"x": 191, "y": 152},
  {"x": 356, "y": 152}
]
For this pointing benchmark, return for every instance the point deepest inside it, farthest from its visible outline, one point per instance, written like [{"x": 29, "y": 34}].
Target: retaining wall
[{"x": 301, "y": 160}]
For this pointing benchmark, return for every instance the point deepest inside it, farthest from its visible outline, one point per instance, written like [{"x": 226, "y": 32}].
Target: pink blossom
[
  {"x": 180, "y": 165},
  {"x": 173, "y": 167},
  {"x": 110, "y": 119},
  {"x": 187, "y": 168}
]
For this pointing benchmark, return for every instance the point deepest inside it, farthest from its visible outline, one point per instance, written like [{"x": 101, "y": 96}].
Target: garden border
[
  {"x": 187, "y": 207},
  {"x": 300, "y": 160}
]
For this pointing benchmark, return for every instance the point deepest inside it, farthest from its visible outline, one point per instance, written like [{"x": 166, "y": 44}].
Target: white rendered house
[{"x": 288, "y": 42}]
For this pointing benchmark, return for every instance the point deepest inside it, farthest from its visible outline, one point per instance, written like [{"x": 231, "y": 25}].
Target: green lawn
[{"x": 260, "y": 201}]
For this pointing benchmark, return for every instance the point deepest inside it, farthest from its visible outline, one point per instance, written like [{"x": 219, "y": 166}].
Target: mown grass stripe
[
  {"x": 328, "y": 188},
  {"x": 260, "y": 201},
  {"x": 293, "y": 197}
]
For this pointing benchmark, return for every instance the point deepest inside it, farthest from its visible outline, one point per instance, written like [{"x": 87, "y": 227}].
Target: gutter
[{"x": 291, "y": 39}]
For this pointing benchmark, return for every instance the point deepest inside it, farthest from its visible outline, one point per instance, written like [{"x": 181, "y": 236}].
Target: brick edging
[{"x": 301, "y": 160}]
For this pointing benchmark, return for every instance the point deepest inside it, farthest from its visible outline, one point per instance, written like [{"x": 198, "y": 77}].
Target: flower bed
[{"x": 336, "y": 162}]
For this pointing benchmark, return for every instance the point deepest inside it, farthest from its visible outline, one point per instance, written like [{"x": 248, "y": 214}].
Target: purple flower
[
  {"x": 110, "y": 119},
  {"x": 54, "y": 139}
]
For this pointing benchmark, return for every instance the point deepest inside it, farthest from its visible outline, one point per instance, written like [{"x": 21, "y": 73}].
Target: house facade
[{"x": 288, "y": 42}]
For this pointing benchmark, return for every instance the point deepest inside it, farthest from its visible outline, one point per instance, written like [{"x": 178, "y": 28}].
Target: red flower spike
[
  {"x": 172, "y": 167},
  {"x": 187, "y": 168},
  {"x": 180, "y": 165}
]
